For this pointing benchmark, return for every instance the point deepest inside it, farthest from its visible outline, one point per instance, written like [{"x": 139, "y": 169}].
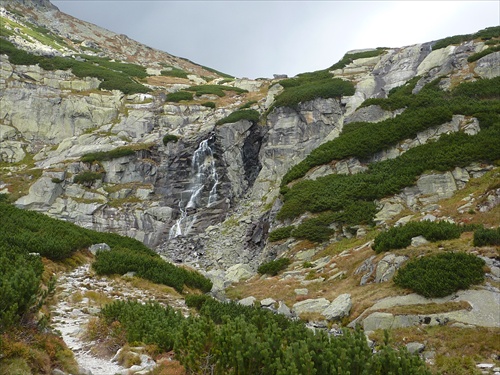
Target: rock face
[{"x": 211, "y": 197}]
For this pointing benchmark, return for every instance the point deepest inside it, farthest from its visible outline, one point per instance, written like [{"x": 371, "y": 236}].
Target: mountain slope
[{"x": 312, "y": 172}]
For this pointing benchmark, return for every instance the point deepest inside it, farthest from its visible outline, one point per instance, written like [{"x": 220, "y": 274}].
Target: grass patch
[{"x": 464, "y": 346}]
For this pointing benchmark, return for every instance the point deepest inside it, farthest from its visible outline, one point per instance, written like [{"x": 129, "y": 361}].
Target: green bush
[
  {"x": 167, "y": 138},
  {"x": 248, "y": 104},
  {"x": 274, "y": 266},
  {"x": 218, "y": 90},
  {"x": 87, "y": 178},
  {"x": 244, "y": 114},
  {"x": 400, "y": 237},
  {"x": 148, "y": 323},
  {"x": 107, "y": 155},
  {"x": 208, "y": 105},
  {"x": 350, "y": 57},
  {"x": 20, "y": 277},
  {"x": 488, "y": 33},
  {"x": 326, "y": 88},
  {"x": 280, "y": 233},
  {"x": 487, "y": 237},
  {"x": 228, "y": 338},
  {"x": 481, "y": 54},
  {"x": 179, "y": 96},
  {"x": 441, "y": 274},
  {"x": 196, "y": 300},
  {"x": 150, "y": 267},
  {"x": 431, "y": 107},
  {"x": 114, "y": 75}
]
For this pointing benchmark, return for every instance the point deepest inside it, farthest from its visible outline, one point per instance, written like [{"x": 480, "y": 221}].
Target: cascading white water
[{"x": 204, "y": 176}]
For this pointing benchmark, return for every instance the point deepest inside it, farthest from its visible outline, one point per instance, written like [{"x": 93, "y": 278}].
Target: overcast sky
[{"x": 259, "y": 38}]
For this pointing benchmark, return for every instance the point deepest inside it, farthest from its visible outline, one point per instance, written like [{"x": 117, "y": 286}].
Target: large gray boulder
[
  {"x": 340, "y": 307},
  {"x": 317, "y": 305},
  {"x": 41, "y": 194},
  {"x": 239, "y": 272}
]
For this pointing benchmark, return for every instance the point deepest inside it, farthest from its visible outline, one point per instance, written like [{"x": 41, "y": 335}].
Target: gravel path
[{"x": 71, "y": 318}]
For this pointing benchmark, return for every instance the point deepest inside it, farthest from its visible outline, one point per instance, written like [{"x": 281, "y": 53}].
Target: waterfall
[{"x": 203, "y": 177}]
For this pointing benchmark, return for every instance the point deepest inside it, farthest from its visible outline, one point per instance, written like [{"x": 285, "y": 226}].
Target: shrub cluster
[
  {"x": 208, "y": 105},
  {"x": 431, "y": 107},
  {"x": 107, "y": 155},
  {"x": 280, "y": 233},
  {"x": 167, "y": 138},
  {"x": 274, "y": 266},
  {"x": 150, "y": 267},
  {"x": 242, "y": 114},
  {"x": 487, "y": 237},
  {"x": 442, "y": 274},
  {"x": 305, "y": 91},
  {"x": 149, "y": 323},
  {"x": 481, "y": 54},
  {"x": 488, "y": 33},
  {"x": 113, "y": 75},
  {"x": 87, "y": 178},
  {"x": 179, "y": 96},
  {"x": 218, "y": 90},
  {"x": 20, "y": 277},
  {"x": 350, "y": 57},
  {"x": 55, "y": 239},
  {"x": 232, "y": 339},
  {"x": 400, "y": 237}
]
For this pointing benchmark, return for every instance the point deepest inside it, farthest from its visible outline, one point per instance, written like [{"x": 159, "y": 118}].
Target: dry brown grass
[
  {"x": 478, "y": 343},
  {"x": 428, "y": 308}
]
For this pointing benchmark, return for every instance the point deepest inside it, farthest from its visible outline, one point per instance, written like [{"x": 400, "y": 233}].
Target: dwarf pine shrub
[
  {"x": 487, "y": 237},
  {"x": 229, "y": 338},
  {"x": 274, "y": 266},
  {"x": 167, "y": 138},
  {"x": 442, "y": 274},
  {"x": 242, "y": 114},
  {"x": 179, "y": 96},
  {"x": 400, "y": 237}
]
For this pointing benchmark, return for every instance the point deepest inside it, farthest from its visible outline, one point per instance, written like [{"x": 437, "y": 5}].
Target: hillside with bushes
[{"x": 162, "y": 217}]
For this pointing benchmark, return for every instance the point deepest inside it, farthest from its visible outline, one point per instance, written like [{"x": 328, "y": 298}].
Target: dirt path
[{"x": 79, "y": 295}]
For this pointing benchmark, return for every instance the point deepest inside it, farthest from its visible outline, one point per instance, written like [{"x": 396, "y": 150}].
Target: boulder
[
  {"x": 283, "y": 309},
  {"x": 415, "y": 347},
  {"x": 317, "y": 305},
  {"x": 487, "y": 66},
  {"x": 340, "y": 307},
  {"x": 418, "y": 241},
  {"x": 387, "y": 267},
  {"x": 267, "y": 302},
  {"x": 99, "y": 247},
  {"x": 41, "y": 194},
  {"x": 239, "y": 272},
  {"x": 248, "y": 301}
]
